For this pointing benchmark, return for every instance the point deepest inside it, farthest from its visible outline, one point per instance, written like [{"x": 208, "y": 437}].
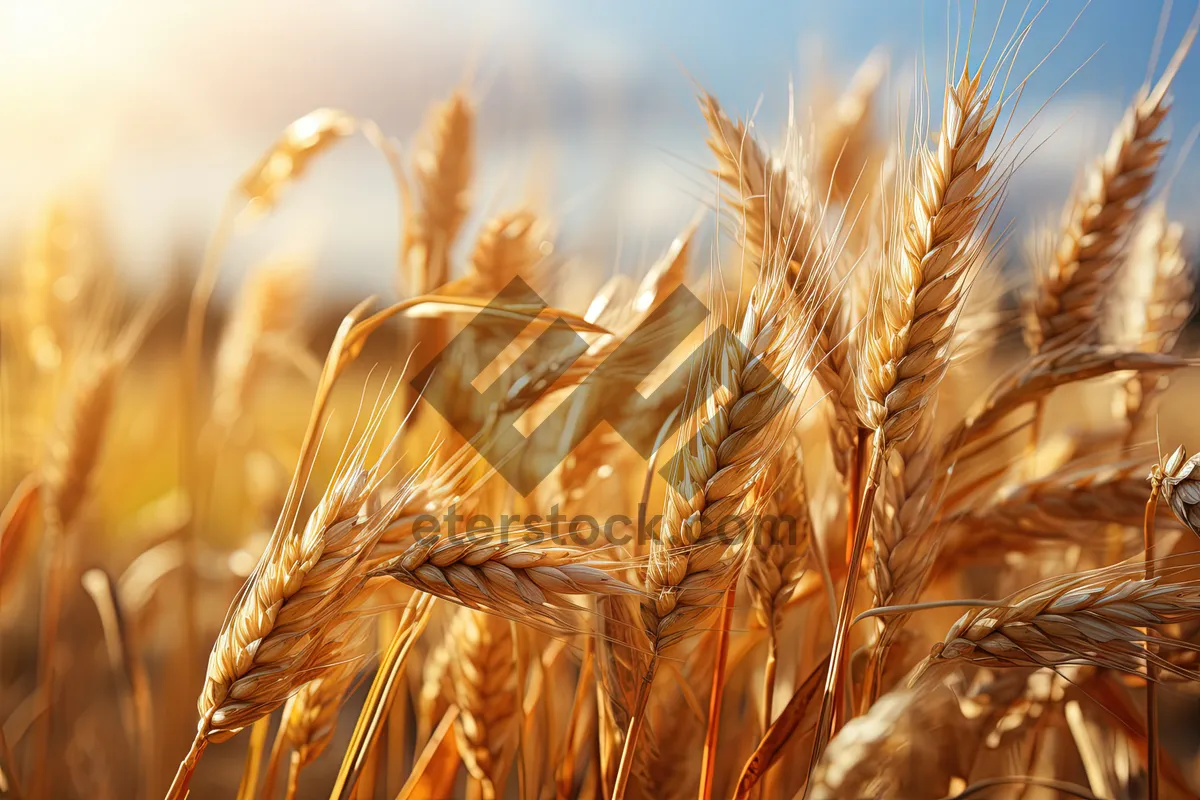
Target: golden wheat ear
[{"x": 1071, "y": 288}]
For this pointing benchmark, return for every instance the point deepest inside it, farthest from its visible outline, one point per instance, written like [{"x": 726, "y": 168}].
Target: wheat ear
[
  {"x": 781, "y": 222},
  {"x": 310, "y": 716},
  {"x": 264, "y": 312},
  {"x": 1158, "y": 306},
  {"x": 777, "y": 560},
  {"x": 915, "y": 303},
  {"x": 846, "y": 141},
  {"x": 1034, "y": 379},
  {"x": 443, "y": 174},
  {"x": 484, "y": 680},
  {"x": 1070, "y": 287},
  {"x": 1093, "y": 618},
  {"x": 748, "y": 379}
]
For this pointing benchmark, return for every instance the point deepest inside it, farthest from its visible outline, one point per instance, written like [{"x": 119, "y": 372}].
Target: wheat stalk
[
  {"x": 748, "y": 379},
  {"x": 310, "y": 716},
  {"x": 914, "y": 308},
  {"x": 15, "y": 526}
]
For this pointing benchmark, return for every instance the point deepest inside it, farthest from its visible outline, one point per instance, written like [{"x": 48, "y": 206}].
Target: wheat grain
[
  {"x": 692, "y": 560},
  {"x": 917, "y": 294},
  {"x": 915, "y": 304},
  {"x": 289, "y": 622}
]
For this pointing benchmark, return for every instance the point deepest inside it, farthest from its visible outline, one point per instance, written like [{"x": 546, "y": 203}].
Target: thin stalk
[
  {"x": 769, "y": 668},
  {"x": 193, "y": 347},
  {"x": 187, "y": 767},
  {"x": 519, "y": 658},
  {"x": 833, "y": 680},
  {"x": 397, "y": 727},
  {"x": 293, "y": 780},
  {"x": 565, "y": 779},
  {"x": 53, "y": 585},
  {"x": 8, "y": 770},
  {"x": 1035, "y": 434},
  {"x": 1151, "y": 668},
  {"x": 273, "y": 759},
  {"x": 636, "y": 721},
  {"x": 853, "y": 488},
  {"x": 709, "y": 758},
  {"x": 258, "y": 738},
  {"x": 380, "y": 696}
]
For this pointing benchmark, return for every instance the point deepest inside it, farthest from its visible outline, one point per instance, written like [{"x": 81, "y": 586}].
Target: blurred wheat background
[{"x": 142, "y": 484}]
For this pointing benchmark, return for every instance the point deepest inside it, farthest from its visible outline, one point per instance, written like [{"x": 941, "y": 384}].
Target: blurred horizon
[{"x": 148, "y": 113}]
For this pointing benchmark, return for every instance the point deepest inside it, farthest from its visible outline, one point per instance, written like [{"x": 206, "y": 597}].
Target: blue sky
[{"x": 154, "y": 109}]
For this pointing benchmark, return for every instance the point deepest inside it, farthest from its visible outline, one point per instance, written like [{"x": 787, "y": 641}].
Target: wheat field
[{"x": 850, "y": 493}]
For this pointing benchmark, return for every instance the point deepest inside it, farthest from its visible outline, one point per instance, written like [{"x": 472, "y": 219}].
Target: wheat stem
[
  {"x": 1151, "y": 668},
  {"x": 833, "y": 683},
  {"x": 709, "y": 756},
  {"x": 637, "y": 720},
  {"x": 187, "y": 767},
  {"x": 293, "y": 779},
  {"x": 769, "y": 668}
]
